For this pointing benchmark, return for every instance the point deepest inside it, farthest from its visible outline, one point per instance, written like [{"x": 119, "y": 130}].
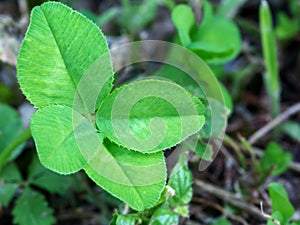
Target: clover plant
[
  {"x": 275, "y": 159},
  {"x": 30, "y": 205},
  {"x": 216, "y": 40},
  {"x": 287, "y": 26},
  {"x": 117, "y": 137}
]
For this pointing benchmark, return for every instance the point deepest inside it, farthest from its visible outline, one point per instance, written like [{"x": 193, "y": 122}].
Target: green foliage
[
  {"x": 202, "y": 149},
  {"x": 40, "y": 177},
  {"x": 107, "y": 16},
  {"x": 138, "y": 179},
  {"x": 292, "y": 129},
  {"x": 103, "y": 18},
  {"x": 131, "y": 16},
  {"x": 181, "y": 78},
  {"x": 59, "y": 146},
  {"x": 136, "y": 16},
  {"x": 10, "y": 178},
  {"x": 216, "y": 40},
  {"x": 269, "y": 47},
  {"x": 6, "y": 94},
  {"x": 183, "y": 19},
  {"x": 123, "y": 219},
  {"x": 10, "y": 128},
  {"x": 297, "y": 222},
  {"x": 181, "y": 181},
  {"x": 173, "y": 202},
  {"x": 286, "y": 28},
  {"x": 32, "y": 209},
  {"x": 79, "y": 125},
  {"x": 275, "y": 159},
  {"x": 61, "y": 55},
  {"x": 164, "y": 216},
  {"x": 221, "y": 221},
  {"x": 169, "y": 108},
  {"x": 282, "y": 209},
  {"x": 227, "y": 98}
]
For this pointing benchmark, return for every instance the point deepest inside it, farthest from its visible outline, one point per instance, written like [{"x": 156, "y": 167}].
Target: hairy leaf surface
[
  {"x": 150, "y": 115},
  {"x": 59, "y": 50},
  {"x": 136, "y": 178},
  {"x": 64, "y": 139}
]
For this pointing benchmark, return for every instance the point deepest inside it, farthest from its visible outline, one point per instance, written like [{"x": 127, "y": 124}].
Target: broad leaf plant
[{"x": 116, "y": 136}]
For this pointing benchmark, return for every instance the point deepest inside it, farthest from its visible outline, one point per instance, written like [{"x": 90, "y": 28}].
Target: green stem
[
  {"x": 24, "y": 136},
  {"x": 270, "y": 56},
  {"x": 249, "y": 149},
  {"x": 228, "y": 140}
]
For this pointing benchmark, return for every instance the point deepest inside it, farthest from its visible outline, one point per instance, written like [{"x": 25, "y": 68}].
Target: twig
[
  {"x": 221, "y": 209},
  {"x": 126, "y": 209},
  {"x": 237, "y": 150},
  {"x": 230, "y": 198},
  {"x": 259, "y": 152},
  {"x": 269, "y": 126},
  {"x": 267, "y": 216}
]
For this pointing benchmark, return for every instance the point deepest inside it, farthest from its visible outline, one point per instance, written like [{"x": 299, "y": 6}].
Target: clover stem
[{"x": 24, "y": 136}]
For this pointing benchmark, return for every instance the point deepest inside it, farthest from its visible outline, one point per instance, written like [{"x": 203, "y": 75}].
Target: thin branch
[
  {"x": 278, "y": 120},
  {"x": 230, "y": 198},
  {"x": 126, "y": 209},
  {"x": 221, "y": 209},
  {"x": 267, "y": 216}
]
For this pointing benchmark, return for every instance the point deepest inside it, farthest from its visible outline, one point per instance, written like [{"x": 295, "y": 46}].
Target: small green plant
[
  {"x": 275, "y": 160},
  {"x": 117, "y": 138},
  {"x": 288, "y": 26},
  {"x": 130, "y": 16},
  {"x": 282, "y": 209},
  {"x": 135, "y": 16},
  {"x": 31, "y": 206},
  {"x": 216, "y": 40}
]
